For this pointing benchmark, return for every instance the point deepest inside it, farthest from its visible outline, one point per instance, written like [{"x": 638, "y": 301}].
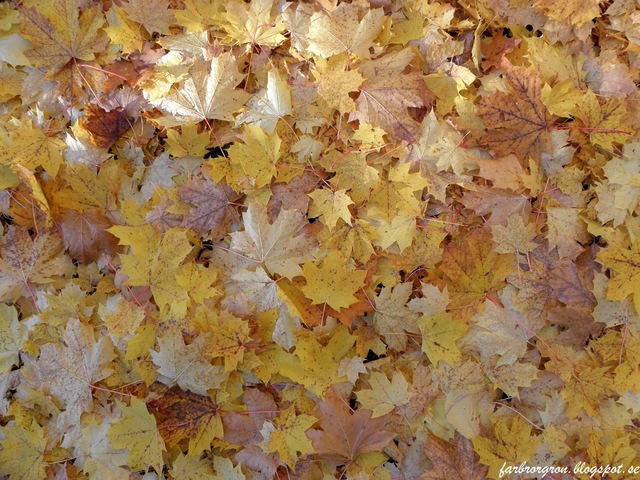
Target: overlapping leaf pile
[{"x": 262, "y": 239}]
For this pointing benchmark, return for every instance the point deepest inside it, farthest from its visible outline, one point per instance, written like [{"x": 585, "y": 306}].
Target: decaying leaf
[
  {"x": 346, "y": 433},
  {"x": 517, "y": 122}
]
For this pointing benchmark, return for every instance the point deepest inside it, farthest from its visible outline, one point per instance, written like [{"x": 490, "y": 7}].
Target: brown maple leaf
[
  {"x": 495, "y": 50},
  {"x": 211, "y": 202},
  {"x": 85, "y": 234},
  {"x": 346, "y": 433},
  {"x": 454, "y": 460},
  {"x": 184, "y": 415},
  {"x": 386, "y": 95},
  {"x": 517, "y": 122},
  {"x": 105, "y": 127}
]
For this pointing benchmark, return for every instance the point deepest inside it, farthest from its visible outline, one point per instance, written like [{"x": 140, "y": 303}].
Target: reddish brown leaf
[
  {"x": 345, "y": 434},
  {"x": 495, "y": 50},
  {"x": 244, "y": 428},
  {"x": 454, "y": 460},
  {"x": 105, "y": 127},
  {"x": 85, "y": 234}
]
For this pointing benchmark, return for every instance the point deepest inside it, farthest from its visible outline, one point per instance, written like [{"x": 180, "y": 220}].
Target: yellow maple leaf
[
  {"x": 335, "y": 82},
  {"x": 187, "y": 365},
  {"x": 253, "y": 163},
  {"x": 439, "y": 335},
  {"x": 155, "y": 15},
  {"x": 512, "y": 444},
  {"x": 330, "y": 206},
  {"x": 345, "y": 30},
  {"x": 385, "y": 395},
  {"x": 209, "y": 91},
  {"x": 154, "y": 261},
  {"x": 60, "y": 38},
  {"x": 31, "y": 148},
  {"x": 286, "y": 435},
  {"x": 333, "y": 283},
  {"x": 198, "y": 14},
  {"x": 23, "y": 453},
  {"x": 252, "y": 23},
  {"x": 270, "y": 104},
  {"x": 123, "y": 31},
  {"x": 626, "y": 281},
  {"x": 138, "y": 432},
  {"x": 392, "y": 318},
  {"x": 27, "y": 261},
  {"x": 13, "y": 334},
  {"x": 187, "y": 142},
  {"x": 605, "y": 123}
]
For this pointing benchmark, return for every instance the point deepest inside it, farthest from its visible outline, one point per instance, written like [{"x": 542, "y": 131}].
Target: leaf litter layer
[{"x": 391, "y": 239}]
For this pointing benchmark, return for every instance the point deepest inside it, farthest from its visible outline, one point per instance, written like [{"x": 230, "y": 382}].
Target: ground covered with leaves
[{"x": 384, "y": 239}]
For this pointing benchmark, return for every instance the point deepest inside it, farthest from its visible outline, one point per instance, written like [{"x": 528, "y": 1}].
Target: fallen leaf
[
  {"x": 517, "y": 122},
  {"x": 346, "y": 433},
  {"x": 138, "y": 433}
]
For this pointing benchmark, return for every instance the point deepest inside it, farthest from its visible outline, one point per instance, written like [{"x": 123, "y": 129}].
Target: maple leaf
[
  {"x": 252, "y": 23},
  {"x": 270, "y": 105},
  {"x": 346, "y": 433},
  {"x": 497, "y": 333},
  {"x": 512, "y": 444},
  {"x": 623, "y": 262},
  {"x": 252, "y": 164},
  {"x": 474, "y": 268},
  {"x": 281, "y": 246},
  {"x": 23, "y": 454},
  {"x": 384, "y": 395},
  {"x": 31, "y": 147},
  {"x": 440, "y": 333},
  {"x": 604, "y": 123},
  {"x": 386, "y": 96},
  {"x": 517, "y": 122},
  {"x": 190, "y": 468},
  {"x": 187, "y": 416},
  {"x": 155, "y": 15},
  {"x": 85, "y": 234},
  {"x": 96, "y": 455},
  {"x": 105, "y": 127},
  {"x": 335, "y": 83},
  {"x": 331, "y": 206},
  {"x": 452, "y": 460},
  {"x": 392, "y": 318},
  {"x": 27, "y": 261},
  {"x": 333, "y": 282},
  {"x": 315, "y": 365},
  {"x": 208, "y": 92},
  {"x": 344, "y": 31},
  {"x": 13, "y": 334},
  {"x": 138, "y": 433},
  {"x": 154, "y": 261},
  {"x": 72, "y": 371},
  {"x": 211, "y": 202},
  {"x": 184, "y": 364},
  {"x": 286, "y": 435},
  {"x": 61, "y": 38}
]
